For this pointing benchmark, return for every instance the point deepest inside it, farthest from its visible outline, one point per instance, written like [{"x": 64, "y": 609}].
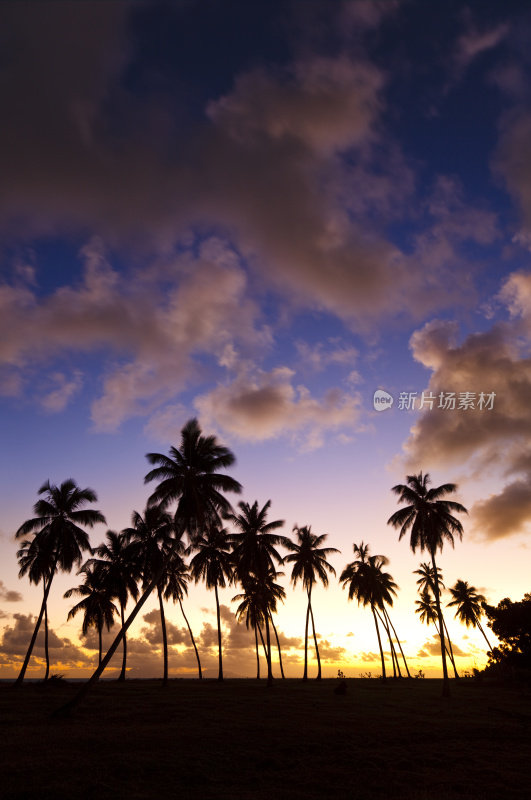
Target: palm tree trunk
[
  {"x": 278, "y": 646},
  {"x": 305, "y": 676},
  {"x": 164, "y": 636},
  {"x": 257, "y": 656},
  {"x": 121, "y": 677},
  {"x": 193, "y": 640},
  {"x": 484, "y": 634},
  {"x": 46, "y": 650},
  {"x": 398, "y": 640},
  {"x": 446, "y": 682},
  {"x": 268, "y": 640},
  {"x": 394, "y": 658},
  {"x": 263, "y": 642},
  {"x": 22, "y": 672},
  {"x": 379, "y": 643},
  {"x": 100, "y": 626},
  {"x": 220, "y": 672},
  {"x": 318, "y": 678},
  {"x": 452, "y": 659}
]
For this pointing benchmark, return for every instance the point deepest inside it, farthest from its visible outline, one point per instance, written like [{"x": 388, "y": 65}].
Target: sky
[{"x": 260, "y": 214}]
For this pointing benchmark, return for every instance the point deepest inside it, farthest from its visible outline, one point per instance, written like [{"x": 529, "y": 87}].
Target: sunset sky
[{"x": 259, "y": 213}]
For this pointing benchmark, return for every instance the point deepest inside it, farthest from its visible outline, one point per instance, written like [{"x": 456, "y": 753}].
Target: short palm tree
[
  {"x": 35, "y": 560},
  {"x": 309, "y": 565},
  {"x": 213, "y": 564},
  {"x": 426, "y": 583},
  {"x": 469, "y": 605},
  {"x": 431, "y": 522},
  {"x": 251, "y": 609},
  {"x": 120, "y": 573},
  {"x": 96, "y": 605},
  {"x": 177, "y": 577},
  {"x": 58, "y": 532}
]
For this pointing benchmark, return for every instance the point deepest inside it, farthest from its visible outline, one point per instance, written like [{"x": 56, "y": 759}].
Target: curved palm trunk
[
  {"x": 220, "y": 672},
  {"x": 278, "y": 646},
  {"x": 257, "y": 656},
  {"x": 398, "y": 640},
  {"x": 121, "y": 676},
  {"x": 263, "y": 642},
  {"x": 305, "y": 675},
  {"x": 164, "y": 636},
  {"x": 318, "y": 678},
  {"x": 451, "y": 653},
  {"x": 484, "y": 634},
  {"x": 46, "y": 651},
  {"x": 100, "y": 648},
  {"x": 384, "y": 677},
  {"x": 446, "y": 682},
  {"x": 394, "y": 658},
  {"x": 268, "y": 641},
  {"x": 193, "y": 640},
  {"x": 22, "y": 672}
]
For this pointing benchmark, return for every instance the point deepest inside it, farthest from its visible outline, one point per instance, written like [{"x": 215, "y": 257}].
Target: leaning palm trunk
[
  {"x": 484, "y": 634},
  {"x": 220, "y": 659},
  {"x": 278, "y": 645},
  {"x": 379, "y": 643},
  {"x": 446, "y": 683},
  {"x": 318, "y": 678},
  {"x": 100, "y": 644},
  {"x": 121, "y": 677},
  {"x": 451, "y": 653},
  {"x": 164, "y": 636},
  {"x": 192, "y": 638},
  {"x": 46, "y": 651},
  {"x": 394, "y": 658},
  {"x": 268, "y": 640},
  {"x": 36, "y": 629},
  {"x": 257, "y": 655},
  {"x": 398, "y": 640},
  {"x": 305, "y": 675},
  {"x": 65, "y": 710}
]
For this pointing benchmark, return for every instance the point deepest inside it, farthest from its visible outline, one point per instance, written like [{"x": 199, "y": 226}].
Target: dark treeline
[{"x": 189, "y": 531}]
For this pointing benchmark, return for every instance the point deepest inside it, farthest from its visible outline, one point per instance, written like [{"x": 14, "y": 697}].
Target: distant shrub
[{"x": 419, "y": 674}]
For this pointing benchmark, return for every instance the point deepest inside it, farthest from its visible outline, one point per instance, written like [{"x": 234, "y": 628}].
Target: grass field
[{"x": 241, "y": 740}]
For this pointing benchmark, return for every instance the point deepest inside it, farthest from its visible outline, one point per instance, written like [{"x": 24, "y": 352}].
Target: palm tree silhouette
[
  {"x": 177, "y": 577},
  {"x": 58, "y": 533},
  {"x": 120, "y": 574},
  {"x": 189, "y": 477},
  {"x": 254, "y": 549},
  {"x": 97, "y": 606},
  {"x": 426, "y": 583},
  {"x": 469, "y": 605},
  {"x": 213, "y": 564},
  {"x": 149, "y": 538},
  {"x": 36, "y": 560},
  {"x": 251, "y": 607},
  {"x": 309, "y": 564},
  {"x": 367, "y": 582},
  {"x": 429, "y": 519}
]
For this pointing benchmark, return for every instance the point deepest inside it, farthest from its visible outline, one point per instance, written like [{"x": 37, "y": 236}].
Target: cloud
[
  {"x": 474, "y": 42},
  {"x": 153, "y": 631},
  {"x": 57, "y": 399},
  {"x": 9, "y": 595},
  {"x": 432, "y": 647},
  {"x": 16, "y": 638},
  {"x": 262, "y": 405}
]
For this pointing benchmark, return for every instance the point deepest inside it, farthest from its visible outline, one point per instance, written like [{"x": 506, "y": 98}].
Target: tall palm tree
[
  {"x": 367, "y": 582},
  {"x": 58, "y": 528},
  {"x": 189, "y": 477},
  {"x": 150, "y": 538},
  {"x": 469, "y": 608},
  {"x": 426, "y": 583},
  {"x": 309, "y": 564},
  {"x": 97, "y": 606},
  {"x": 35, "y": 560},
  {"x": 430, "y": 520},
  {"x": 213, "y": 564},
  {"x": 177, "y": 578},
  {"x": 120, "y": 573},
  {"x": 254, "y": 547}
]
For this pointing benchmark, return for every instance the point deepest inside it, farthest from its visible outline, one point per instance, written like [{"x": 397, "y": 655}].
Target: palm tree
[
  {"x": 251, "y": 607},
  {"x": 117, "y": 564},
  {"x": 430, "y": 520},
  {"x": 177, "y": 578},
  {"x": 150, "y": 539},
  {"x": 35, "y": 561},
  {"x": 213, "y": 564},
  {"x": 469, "y": 608},
  {"x": 426, "y": 583},
  {"x": 427, "y": 609},
  {"x": 309, "y": 564},
  {"x": 254, "y": 548},
  {"x": 97, "y": 605},
  {"x": 58, "y": 533},
  {"x": 190, "y": 478},
  {"x": 367, "y": 582}
]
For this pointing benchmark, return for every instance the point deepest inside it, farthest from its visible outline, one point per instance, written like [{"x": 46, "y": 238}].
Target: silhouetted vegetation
[{"x": 511, "y": 622}]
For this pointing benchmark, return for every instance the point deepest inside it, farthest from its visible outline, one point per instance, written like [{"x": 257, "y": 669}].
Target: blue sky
[{"x": 258, "y": 216}]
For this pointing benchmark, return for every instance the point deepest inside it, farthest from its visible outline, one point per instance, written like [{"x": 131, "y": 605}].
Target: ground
[{"x": 241, "y": 740}]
